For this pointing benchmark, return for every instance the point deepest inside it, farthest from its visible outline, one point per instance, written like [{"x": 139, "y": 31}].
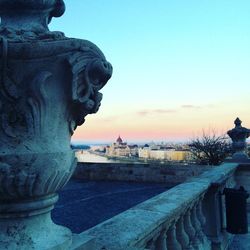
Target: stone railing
[{"x": 188, "y": 216}]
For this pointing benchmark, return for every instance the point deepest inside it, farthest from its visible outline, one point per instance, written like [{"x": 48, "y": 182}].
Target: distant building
[
  {"x": 121, "y": 149},
  {"x": 159, "y": 152},
  {"x": 98, "y": 148}
]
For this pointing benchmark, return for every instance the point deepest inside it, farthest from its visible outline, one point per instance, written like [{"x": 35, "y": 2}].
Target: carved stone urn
[
  {"x": 239, "y": 135},
  {"x": 49, "y": 83}
]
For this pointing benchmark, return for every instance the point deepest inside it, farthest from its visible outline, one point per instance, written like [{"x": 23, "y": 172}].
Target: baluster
[
  {"x": 197, "y": 240},
  {"x": 172, "y": 243},
  {"x": 151, "y": 245},
  {"x": 182, "y": 236},
  {"x": 202, "y": 221},
  {"x": 200, "y": 214},
  {"x": 189, "y": 228},
  {"x": 161, "y": 243}
]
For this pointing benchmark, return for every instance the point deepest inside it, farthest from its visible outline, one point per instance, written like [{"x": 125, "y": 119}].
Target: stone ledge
[{"x": 82, "y": 242}]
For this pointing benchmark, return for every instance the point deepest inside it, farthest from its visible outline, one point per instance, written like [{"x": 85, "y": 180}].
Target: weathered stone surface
[
  {"x": 35, "y": 232},
  {"x": 122, "y": 231},
  {"x": 82, "y": 242},
  {"x": 49, "y": 83}
]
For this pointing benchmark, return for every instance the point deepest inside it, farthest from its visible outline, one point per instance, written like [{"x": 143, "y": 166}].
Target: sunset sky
[{"x": 179, "y": 66}]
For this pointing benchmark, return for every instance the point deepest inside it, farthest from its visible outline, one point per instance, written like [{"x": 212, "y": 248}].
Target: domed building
[
  {"x": 121, "y": 149},
  {"x": 119, "y": 140}
]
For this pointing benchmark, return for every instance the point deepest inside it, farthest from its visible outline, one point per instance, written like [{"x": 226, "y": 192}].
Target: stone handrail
[{"x": 179, "y": 218}]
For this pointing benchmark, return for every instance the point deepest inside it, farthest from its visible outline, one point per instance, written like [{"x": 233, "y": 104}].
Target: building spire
[{"x": 119, "y": 140}]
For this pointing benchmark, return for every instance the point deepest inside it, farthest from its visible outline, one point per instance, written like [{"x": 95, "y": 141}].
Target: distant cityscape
[{"x": 174, "y": 152}]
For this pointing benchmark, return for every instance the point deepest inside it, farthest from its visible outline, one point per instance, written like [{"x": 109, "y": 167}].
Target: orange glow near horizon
[{"x": 181, "y": 126}]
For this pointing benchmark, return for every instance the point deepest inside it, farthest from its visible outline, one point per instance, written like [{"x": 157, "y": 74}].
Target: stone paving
[
  {"x": 84, "y": 204},
  {"x": 241, "y": 241}
]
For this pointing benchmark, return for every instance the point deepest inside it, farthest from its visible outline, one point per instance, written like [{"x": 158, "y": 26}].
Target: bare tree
[{"x": 210, "y": 149}]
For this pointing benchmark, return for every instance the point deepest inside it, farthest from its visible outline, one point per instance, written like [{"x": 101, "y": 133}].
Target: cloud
[
  {"x": 143, "y": 113},
  {"x": 156, "y": 111},
  {"x": 190, "y": 106},
  {"x": 210, "y": 106}
]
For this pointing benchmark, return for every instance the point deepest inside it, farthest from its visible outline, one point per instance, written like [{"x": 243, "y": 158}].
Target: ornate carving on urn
[
  {"x": 48, "y": 84},
  {"x": 239, "y": 135}
]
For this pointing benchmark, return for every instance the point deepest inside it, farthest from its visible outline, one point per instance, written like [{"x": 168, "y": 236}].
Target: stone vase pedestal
[
  {"x": 49, "y": 83},
  {"x": 239, "y": 135}
]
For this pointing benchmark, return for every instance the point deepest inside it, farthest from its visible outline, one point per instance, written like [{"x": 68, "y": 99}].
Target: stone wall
[{"x": 158, "y": 173}]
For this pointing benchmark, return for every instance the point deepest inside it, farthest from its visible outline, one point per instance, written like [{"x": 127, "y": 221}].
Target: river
[{"x": 86, "y": 156}]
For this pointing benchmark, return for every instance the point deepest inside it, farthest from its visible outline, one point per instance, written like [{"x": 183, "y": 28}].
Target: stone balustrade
[{"x": 188, "y": 216}]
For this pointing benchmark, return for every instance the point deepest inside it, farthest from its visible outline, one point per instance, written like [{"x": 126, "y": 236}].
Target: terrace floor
[
  {"x": 84, "y": 204},
  {"x": 241, "y": 242}
]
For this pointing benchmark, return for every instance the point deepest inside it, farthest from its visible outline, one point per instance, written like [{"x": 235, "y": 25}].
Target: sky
[{"x": 179, "y": 67}]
